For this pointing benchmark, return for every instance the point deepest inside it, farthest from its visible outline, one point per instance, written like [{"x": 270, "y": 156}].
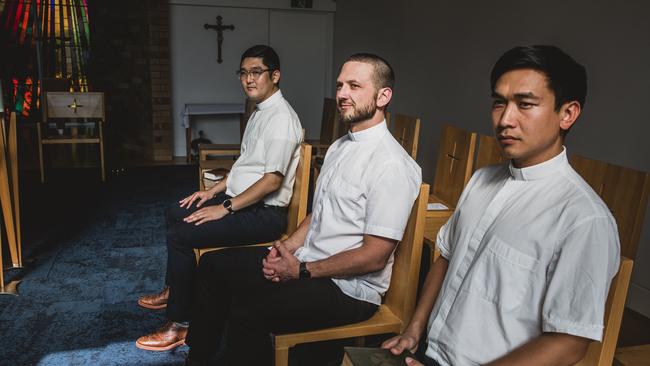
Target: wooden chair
[
  {"x": 72, "y": 107},
  {"x": 297, "y": 210},
  {"x": 399, "y": 302},
  {"x": 602, "y": 353},
  {"x": 406, "y": 130},
  {"x": 453, "y": 170},
  {"x": 223, "y": 155},
  {"x": 624, "y": 190},
  {"x": 328, "y": 126},
  {"x": 488, "y": 152}
]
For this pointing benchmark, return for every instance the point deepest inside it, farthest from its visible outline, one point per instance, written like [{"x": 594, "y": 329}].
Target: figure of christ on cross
[{"x": 219, "y": 27}]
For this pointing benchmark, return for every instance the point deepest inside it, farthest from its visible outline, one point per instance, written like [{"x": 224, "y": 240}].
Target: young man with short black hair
[{"x": 528, "y": 256}]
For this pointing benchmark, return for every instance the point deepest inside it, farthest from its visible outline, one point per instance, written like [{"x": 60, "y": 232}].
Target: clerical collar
[
  {"x": 270, "y": 101},
  {"x": 371, "y": 133},
  {"x": 541, "y": 170}
]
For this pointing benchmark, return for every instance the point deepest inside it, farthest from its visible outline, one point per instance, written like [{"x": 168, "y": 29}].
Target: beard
[{"x": 360, "y": 112}]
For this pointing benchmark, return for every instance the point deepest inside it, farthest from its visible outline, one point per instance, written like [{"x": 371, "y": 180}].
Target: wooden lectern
[{"x": 73, "y": 109}]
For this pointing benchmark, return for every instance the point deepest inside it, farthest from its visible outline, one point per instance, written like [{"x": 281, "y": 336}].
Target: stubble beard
[{"x": 363, "y": 113}]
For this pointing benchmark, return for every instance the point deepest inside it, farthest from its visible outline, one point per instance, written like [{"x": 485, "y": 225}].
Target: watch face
[{"x": 228, "y": 205}]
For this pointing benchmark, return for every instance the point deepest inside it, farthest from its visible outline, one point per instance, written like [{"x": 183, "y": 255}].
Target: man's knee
[{"x": 175, "y": 213}]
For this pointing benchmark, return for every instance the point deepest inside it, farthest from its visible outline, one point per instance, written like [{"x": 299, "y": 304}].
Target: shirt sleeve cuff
[
  {"x": 444, "y": 252},
  {"x": 594, "y": 332},
  {"x": 384, "y": 232},
  {"x": 276, "y": 168}
]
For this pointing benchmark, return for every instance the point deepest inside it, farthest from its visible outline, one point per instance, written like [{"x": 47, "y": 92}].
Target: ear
[
  {"x": 275, "y": 76},
  {"x": 569, "y": 113},
  {"x": 384, "y": 96}
]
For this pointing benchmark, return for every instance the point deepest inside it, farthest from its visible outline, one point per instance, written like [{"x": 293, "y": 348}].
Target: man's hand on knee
[
  {"x": 206, "y": 214},
  {"x": 202, "y": 196}
]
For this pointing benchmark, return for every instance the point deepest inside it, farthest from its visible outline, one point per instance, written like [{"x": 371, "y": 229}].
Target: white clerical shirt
[
  {"x": 271, "y": 143},
  {"x": 367, "y": 185},
  {"x": 530, "y": 250}
]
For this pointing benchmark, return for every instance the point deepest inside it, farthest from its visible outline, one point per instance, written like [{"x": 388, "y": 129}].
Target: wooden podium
[{"x": 72, "y": 110}]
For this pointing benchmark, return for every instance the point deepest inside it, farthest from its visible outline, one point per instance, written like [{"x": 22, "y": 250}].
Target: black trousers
[
  {"x": 232, "y": 292},
  {"x": 254, "y": 224}
]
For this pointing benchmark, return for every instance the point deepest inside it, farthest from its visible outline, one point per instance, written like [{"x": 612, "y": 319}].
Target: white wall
[
  {"x": 303, "y": 39},
  {"x": 443, "y": 52}
]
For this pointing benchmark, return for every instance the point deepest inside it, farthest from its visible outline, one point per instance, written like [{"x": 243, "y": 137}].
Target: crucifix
[
  {"x": 453, "y": 158},
  {"x": 219, "y": 28}
]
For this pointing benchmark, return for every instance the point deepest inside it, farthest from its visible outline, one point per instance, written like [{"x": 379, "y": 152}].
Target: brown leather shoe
[
  {"x": 155, "y": 301},
  {"x": 167, "y": 337}
]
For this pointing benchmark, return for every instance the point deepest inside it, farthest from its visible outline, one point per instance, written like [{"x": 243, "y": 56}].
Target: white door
[{"x": 304, "y": 41}]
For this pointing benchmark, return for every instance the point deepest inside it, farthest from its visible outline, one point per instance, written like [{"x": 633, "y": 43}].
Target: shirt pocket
[
  {"x": 347, "y": 199},
  {"x": 502, "y": 275}
]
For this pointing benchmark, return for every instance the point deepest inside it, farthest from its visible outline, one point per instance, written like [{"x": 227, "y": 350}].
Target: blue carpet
[{"x": 90, "y": 250}]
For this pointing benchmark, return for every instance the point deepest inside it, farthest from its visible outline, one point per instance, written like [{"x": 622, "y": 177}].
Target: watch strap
[{"x": 304, "y": 272}]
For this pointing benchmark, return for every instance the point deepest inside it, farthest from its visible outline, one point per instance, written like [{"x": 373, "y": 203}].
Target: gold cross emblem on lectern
[{"x": 74, "y": 105}]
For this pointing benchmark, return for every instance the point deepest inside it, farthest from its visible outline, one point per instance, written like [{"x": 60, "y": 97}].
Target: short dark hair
[
  {"x": 567, "y": 79},
  {"x": 269, "y": 58},
  {"x": 384, "y": 76}
]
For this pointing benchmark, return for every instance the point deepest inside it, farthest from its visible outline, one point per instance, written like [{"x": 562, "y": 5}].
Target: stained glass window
[{"x": 62, "y": 27}]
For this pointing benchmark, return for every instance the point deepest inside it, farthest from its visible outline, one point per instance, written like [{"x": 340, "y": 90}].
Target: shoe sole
[
  {"x": 152, "y": 307},
  {"x": 160, "y": 349}
]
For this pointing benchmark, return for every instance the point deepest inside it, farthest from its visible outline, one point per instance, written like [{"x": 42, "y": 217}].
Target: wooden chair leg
[
  {"x": 282, "y": 356},
  {"x": 39, "y": 132},
  {"x": 101, "y": 150},
  {"x": 13, "y": 157},
  {"x": 5, "y": 201}
]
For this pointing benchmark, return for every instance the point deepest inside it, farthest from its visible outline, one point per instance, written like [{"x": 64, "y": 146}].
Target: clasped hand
[
  {"x": 280, "y": 264},
  {"x": 205, "y": 214},
  {"x": 401, "y": 343}
]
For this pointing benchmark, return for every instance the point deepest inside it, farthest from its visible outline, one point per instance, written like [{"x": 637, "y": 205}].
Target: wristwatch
[
  {"x": 304, "y": 272},
  {"x": 227, "y": 204}
]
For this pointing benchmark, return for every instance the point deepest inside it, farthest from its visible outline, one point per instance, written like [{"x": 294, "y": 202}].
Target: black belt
[{"x": 280, "y": 208}]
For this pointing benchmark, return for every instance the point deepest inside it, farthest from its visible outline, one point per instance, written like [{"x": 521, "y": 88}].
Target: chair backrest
[
  {"x": 624, "y": 190},
  {"x": 454, "y": 164},
  {"x": 243, "y": 120},
  {"x": 406, "y": 130},
  {"x": 602, "y": 353},
  {"x": 400, "y": 297},
  {"x": 329, "y": 121},
  {"x": 488, "y": 152},
  {"x": 74, "y": 105},
  {"x": 298, "y": 205}
]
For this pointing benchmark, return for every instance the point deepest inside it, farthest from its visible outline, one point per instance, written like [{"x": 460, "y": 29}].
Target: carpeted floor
[{"x": 90, "y": 250}]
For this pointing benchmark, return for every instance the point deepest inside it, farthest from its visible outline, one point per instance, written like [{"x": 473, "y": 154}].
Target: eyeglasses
[{"x": 256, "y": 73}]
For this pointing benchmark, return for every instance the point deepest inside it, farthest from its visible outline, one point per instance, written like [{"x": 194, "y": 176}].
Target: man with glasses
[{"x": 247, "y": 207}]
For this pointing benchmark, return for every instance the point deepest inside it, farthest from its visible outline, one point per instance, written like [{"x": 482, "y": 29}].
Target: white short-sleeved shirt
[
  {"x": 367, "y": 185},
  {"x": 530, "y": 250},
  {"x": 271, "y": 143}
]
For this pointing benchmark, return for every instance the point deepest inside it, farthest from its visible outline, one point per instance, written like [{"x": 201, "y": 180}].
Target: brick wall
[{"x": 130, "y": 63}]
